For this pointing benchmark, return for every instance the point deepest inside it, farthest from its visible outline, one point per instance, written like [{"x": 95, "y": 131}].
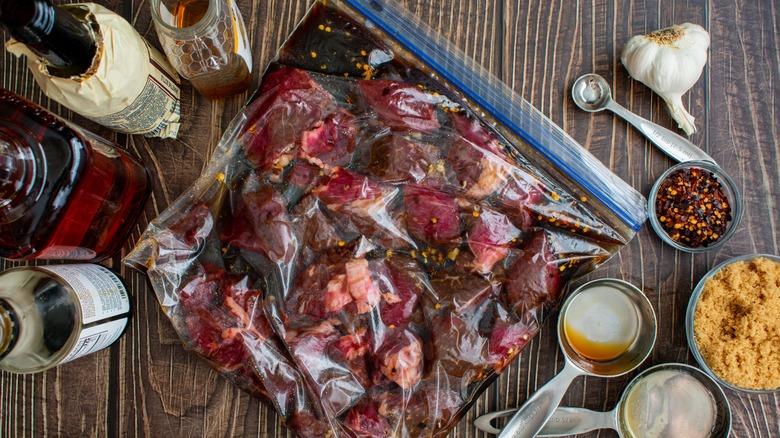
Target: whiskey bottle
[{"x": 64, "y": 192}]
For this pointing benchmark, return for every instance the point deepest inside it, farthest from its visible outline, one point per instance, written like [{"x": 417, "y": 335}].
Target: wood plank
[{"x": 147, "y": 385}]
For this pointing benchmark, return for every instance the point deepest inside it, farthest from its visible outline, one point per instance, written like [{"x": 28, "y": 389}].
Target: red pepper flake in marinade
[{"x": 692, "y": 207}]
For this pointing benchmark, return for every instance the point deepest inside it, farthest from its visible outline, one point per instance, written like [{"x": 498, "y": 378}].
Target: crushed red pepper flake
[{"x": 692, "y": 207}]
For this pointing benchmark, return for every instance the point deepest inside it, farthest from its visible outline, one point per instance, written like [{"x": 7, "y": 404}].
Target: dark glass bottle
[
  {"x": 66, "y": 43},
  {"x": 93, "y": 61},
  {"x": 64, "y": 192},
  {"x": 53, "y": 314}
]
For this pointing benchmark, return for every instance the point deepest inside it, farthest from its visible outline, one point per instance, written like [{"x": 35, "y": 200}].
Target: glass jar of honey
[{"x": 207, "y": 43}]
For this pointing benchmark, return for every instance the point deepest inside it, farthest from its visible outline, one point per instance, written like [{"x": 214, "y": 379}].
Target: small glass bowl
[
  {"x": 729, "y": 189},
  {"x": 694, "y": 347}
]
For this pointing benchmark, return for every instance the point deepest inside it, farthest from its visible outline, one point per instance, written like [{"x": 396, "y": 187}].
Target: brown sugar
[{"x": 736, "y": 324}]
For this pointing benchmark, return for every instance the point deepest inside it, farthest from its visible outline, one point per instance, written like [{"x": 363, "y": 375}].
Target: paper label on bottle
[
  {"x": 101, "y": 294},
  {"x": 61, "y": 252},
  {"x": 96, "y": 338},
  {"x": 147, "y": 113}
]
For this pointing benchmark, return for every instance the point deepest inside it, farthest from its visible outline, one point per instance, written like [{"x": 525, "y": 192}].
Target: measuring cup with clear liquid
[{"x": 670, "y": 399}]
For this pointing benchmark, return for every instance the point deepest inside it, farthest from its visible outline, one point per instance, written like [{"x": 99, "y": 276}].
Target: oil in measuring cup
[
  {"x": 601, "y": 323},
  {"x": 670, "y": 402}
]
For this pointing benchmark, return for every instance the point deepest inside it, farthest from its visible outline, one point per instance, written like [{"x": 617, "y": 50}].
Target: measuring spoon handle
[
  {"x": 564, "y": 421},
  {"x": 532, "y": 416},
  {"x": 571, "y": 421},
  {"x": 670, "y": 143}
]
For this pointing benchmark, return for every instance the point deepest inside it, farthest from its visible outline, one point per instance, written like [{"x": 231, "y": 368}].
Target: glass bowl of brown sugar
[
  {"x": 695, "y": 206},
  {"x": 731, "y": 323}
]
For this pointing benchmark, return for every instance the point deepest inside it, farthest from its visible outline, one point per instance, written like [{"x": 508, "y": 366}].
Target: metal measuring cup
[
  {"x": 571, "y": 420},
  {"x": 533, "y": 415}
]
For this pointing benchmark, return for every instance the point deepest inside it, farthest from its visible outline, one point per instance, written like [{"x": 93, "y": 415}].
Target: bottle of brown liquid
[
  {"x": 64, "y": 192},
  {"x": 207, "y": 43},
  {"x": 91, "y": 60}
]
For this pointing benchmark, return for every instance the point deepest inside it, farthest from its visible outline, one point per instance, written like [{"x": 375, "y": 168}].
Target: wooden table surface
[{"x": 147, "y": 385}]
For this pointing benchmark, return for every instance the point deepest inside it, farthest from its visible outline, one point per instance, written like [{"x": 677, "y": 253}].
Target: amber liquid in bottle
[
  {"x": 229, "y": 80},
  {"x": 72, "y": 196}
]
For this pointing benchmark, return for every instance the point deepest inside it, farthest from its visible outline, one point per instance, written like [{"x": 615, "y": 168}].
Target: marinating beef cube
[
  {"x": 402, "y": 106},
  {"x": 535, "y": 278},
  {"x": 402, "y": 280},
  {"x": 432, "y": 216},
  {"x": 290, "y": 103},
  {"x": 304, "y": 175},
  {"x": 459, "y": 349},
  {"x": 351, "y": 351},
  {"x": 333, "y": 381},
  {"x": 395, "y": 159},
  {"x": 364, "y": 420},
  {"x": 367, "y": 205},
  {"x": 400, "y": 357},
  {"x": 458, "y": 293},
  {"x": 314, "y": 228},
  {"x": 330, "y": 142},
  {"x": 508, "y": 337},
  {"x": 261, "y": 223},
  {"x": 489, "y": 239}
]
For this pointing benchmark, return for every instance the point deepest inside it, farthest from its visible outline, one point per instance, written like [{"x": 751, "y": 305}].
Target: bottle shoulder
[{"x": 46, "y": 317}]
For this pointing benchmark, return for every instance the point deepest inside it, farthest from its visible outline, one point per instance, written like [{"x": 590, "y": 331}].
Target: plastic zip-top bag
[{"x": 380, "y": 231}]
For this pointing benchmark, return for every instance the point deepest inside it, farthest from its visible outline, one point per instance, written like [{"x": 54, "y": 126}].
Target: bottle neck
[
  {"x": 9, "y": 328},
  {"x": 63, "y": 40}
]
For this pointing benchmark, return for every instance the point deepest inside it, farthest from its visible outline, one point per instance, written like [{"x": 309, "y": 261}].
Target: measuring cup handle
[
  {"x": 564, "y": 421},
  {"x": 532, "y": 416},
  {"x": 571, "y": 421},
  {"x": 672, "y": 144}
]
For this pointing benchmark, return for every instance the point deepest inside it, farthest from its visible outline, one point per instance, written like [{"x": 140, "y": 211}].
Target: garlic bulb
[{"x": 669, "y": 61}]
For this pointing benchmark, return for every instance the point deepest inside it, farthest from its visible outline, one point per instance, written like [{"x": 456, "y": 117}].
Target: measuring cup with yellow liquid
[
  {"x": 606, "y": 328},
  {"x": 667, "y": 400}
]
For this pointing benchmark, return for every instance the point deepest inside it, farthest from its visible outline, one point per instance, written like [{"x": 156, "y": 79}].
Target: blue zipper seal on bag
[{"x": 519, "y": 116}]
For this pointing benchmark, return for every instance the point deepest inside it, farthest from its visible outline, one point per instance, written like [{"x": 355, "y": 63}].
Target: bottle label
[
  {"x": 55, "y": 252},
  {"x": 133, "y": 89},
  {"x": 96, "y": 338},
  {"x": 148, "y": 113},
  {"x": 102, "y": 298}
]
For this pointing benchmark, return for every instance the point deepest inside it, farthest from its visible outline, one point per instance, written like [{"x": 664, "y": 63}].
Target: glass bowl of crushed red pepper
[{"x": 695, "y": 206}]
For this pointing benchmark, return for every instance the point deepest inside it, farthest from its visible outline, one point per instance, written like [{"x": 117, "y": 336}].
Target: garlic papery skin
[{"x": 669, "y": 61}]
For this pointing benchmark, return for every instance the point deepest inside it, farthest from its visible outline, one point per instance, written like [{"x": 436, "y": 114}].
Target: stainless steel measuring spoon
[
  {"x": 533, "y": 415},
  {"x": 591, "y": 93},
  {"x": 570, "y": 420}
]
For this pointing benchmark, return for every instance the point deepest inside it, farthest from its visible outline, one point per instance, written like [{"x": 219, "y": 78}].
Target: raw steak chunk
[
  {"x": 534, "y": 279},
  {"x": 489, "y": 239},
  {"x": 290, "y": 102},
  {"x": 402, "y": 106},
  {"x": 330, "y": 142},
  {"x": 432, "y": 216},
  {"x": 396, "y": 160},
  {"x": 262, "y": 224}
]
